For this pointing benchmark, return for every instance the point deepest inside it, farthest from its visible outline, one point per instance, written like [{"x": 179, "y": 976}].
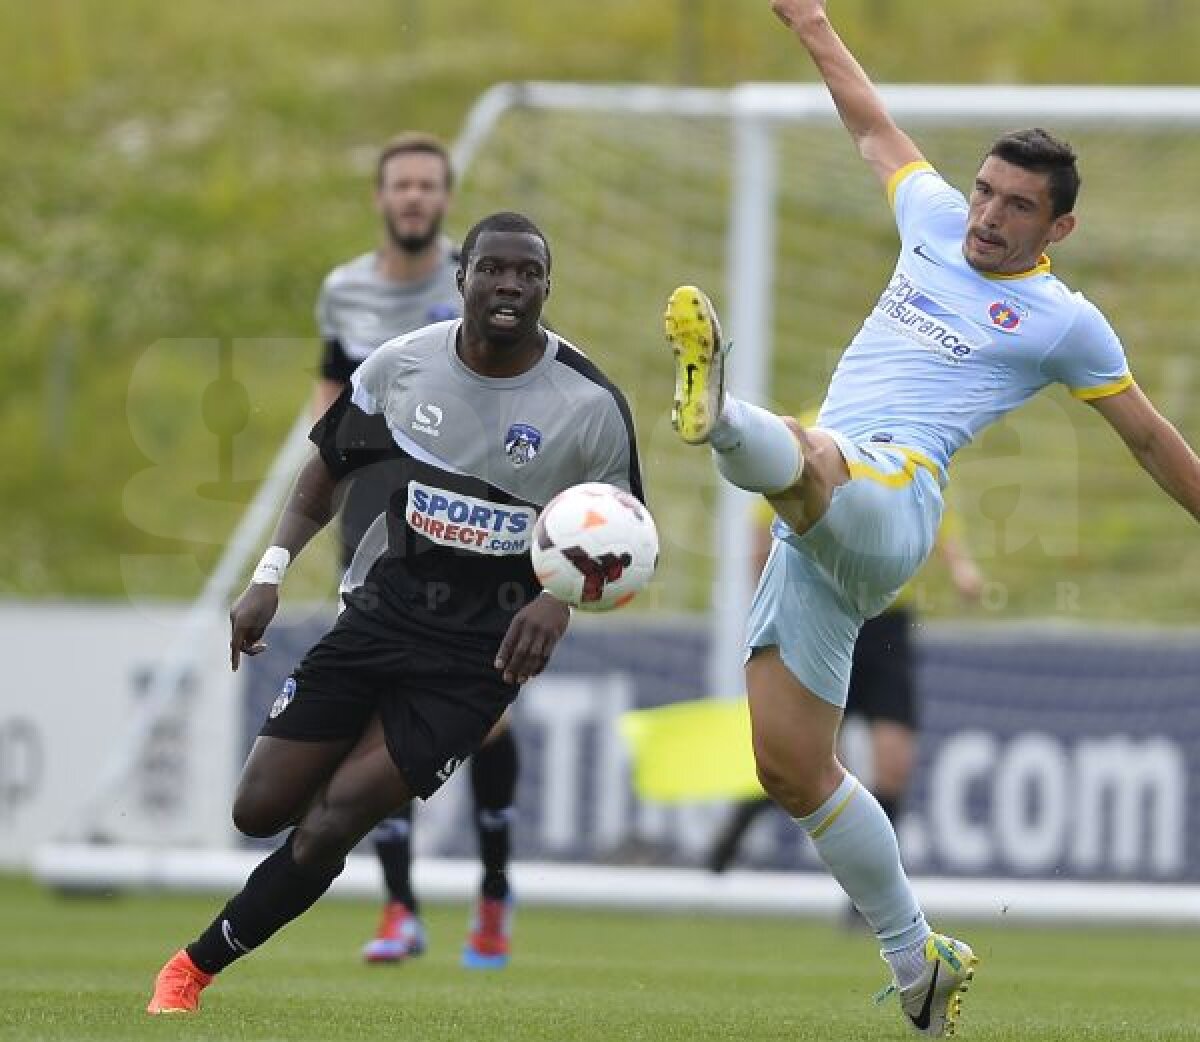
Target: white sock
[
  {"x": 754, "y": 448},
  {"x": 908, "y": 963},
  {"x": 856, "y": 841}
]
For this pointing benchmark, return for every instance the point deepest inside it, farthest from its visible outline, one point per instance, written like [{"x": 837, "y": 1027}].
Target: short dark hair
[
  {"x": 505, "y": 221},
  {"x": 1043, "y": 153},
  {"x": 414, "y": 141}
]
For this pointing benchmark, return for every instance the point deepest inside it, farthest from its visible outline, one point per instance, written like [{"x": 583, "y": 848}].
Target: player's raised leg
[
  {"x": 363, "y": 788},
  {"x": 694, "y": 333},
  {"x": 753, "y": 448}
]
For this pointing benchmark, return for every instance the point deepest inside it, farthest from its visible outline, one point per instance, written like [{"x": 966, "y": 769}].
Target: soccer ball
[{"x": 594, "y": 546}]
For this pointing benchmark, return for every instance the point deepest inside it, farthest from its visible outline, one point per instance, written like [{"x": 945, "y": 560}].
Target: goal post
[{"x": 755, "y": 173}]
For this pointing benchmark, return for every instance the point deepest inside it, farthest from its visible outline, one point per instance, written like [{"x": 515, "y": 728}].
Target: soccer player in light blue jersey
[{"x": 971, "y": 325}]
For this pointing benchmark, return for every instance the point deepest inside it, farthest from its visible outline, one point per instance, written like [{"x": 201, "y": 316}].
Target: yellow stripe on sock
[{"x": 820, "y": 830}]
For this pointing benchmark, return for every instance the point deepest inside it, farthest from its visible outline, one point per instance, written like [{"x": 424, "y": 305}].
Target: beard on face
[{"x": 410, "y": 243}]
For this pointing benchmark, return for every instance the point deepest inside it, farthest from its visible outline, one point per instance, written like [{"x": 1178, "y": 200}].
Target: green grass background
[
  {"x": 178, "y": 177},
  {"x": 79, "y": 970}
]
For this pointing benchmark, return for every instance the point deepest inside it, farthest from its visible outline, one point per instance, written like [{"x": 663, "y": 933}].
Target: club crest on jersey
[
  {"x": 522, "y": 443},
  {"x": 1006, "y": 315},
  {"x": 284, "y": 698}
]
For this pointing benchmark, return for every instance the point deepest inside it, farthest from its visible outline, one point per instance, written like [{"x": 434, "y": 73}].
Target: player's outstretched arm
[
  {"x": 1155, "y": 444},
  {"x": 884, "y": 146},
  {"x": 964, "y": 572},
  {"x": 308, "y": 510},
  {"x": 325, "y": 393}
]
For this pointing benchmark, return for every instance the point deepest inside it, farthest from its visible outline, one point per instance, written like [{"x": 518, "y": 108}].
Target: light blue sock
[
  {"x": 754, "y": 448},
  {"x": 858, "y": 845}
]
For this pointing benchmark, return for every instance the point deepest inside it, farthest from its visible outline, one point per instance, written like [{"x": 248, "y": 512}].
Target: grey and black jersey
[
  {"x": 470, "y": 460},
  {"x": 357, "y": 310}
]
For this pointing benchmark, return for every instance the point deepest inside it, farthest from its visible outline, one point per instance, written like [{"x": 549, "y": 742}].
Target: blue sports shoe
[{"x": 489, "y": 941}]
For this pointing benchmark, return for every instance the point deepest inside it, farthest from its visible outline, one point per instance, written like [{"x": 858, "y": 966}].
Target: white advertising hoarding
[{"x": 73, "y": 676}]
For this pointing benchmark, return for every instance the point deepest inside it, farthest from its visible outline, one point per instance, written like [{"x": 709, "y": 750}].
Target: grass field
[{"x": 80, "y": 970}]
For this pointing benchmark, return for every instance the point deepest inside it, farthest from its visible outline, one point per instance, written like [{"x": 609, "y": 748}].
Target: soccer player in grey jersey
[
  {"x": 485, "y": 419},
  {"x": 407, "y": 283}
]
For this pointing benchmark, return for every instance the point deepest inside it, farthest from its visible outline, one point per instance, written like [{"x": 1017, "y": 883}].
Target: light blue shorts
[{"x": 818, "y": 588}]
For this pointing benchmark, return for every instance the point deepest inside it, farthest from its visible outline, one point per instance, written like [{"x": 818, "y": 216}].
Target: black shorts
[
  {"x": 436, "y": 704},
  {"x": 881, "y": 674}
]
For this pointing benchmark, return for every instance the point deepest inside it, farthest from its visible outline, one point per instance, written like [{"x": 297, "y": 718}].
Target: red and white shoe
[
  {"x": 489, "y": 941},
  {"x": 178, "y": 985},
  {"x": 400, "y": 935}
]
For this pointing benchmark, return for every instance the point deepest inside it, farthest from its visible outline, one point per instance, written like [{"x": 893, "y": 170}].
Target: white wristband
[{"x": 272, "y": 566}]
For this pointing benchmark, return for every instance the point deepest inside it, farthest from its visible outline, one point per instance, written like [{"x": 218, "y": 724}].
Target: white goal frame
[{"x": 754, "y": 111}]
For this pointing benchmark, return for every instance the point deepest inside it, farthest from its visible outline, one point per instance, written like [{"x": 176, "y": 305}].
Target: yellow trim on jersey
[
  {"x": 900, "y": 478},
  {"x": 834, "y": 814},
  {"x": 1088, "y": 394},
  {"x": 900, "y": 175},
  {"x": 1042, "y": 266}
]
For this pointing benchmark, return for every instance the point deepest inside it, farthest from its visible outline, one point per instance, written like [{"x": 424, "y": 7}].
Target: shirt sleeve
[
  {"x": 335, "y": 364},
  {"x": 354, "y": 432},
  {"x": 614, "y": 448},
  {"x": 324, "y": 313},
  {"x": 1089, "y": 358},
  {"x": 919, "y": 195}
]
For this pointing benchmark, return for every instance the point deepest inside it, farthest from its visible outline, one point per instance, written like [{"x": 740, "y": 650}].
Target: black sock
[
  {"x": 393, "y": 844},
  {"x": 494, "y": 784},
  {"x": 277, "y": 891},
  {"x": 730, "y": 837}
]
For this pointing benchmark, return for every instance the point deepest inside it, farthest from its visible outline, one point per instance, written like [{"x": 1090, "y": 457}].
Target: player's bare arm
[
  {"x": 308, "y": 509},
  {"x": 1156, "y": 445},
  {"x": 531, "y": 638},
  {"x": 964, "y": 572},
  {"x": 884, "y": 146},
  {"x": 325, "y": 393}
]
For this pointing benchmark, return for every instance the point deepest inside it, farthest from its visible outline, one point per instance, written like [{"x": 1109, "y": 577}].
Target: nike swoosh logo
[
  {"x": 919, "y": 250},
  {"x": 235, "y": 944},
  {"x": 921, "y": 1020}
]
